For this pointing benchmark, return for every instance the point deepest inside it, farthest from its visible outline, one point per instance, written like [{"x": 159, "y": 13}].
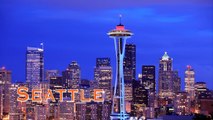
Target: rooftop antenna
[
  {"x": 42, "y": 45},
  {"x": 120, "y": 16}
]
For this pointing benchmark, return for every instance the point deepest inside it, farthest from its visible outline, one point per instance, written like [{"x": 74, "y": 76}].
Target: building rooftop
[
  {"x": 34, "y": 49},
  {"x": 165, "y": 56}
]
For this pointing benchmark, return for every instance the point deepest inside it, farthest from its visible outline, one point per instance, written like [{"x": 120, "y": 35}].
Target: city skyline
[
  {"x": 137, "y": 74},
  {"x": 101, "y": 60},
  {"x": 182, "y": 28}
]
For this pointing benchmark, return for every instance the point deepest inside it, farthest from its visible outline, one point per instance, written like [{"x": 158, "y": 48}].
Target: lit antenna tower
[{"x": 120, "y": 34}]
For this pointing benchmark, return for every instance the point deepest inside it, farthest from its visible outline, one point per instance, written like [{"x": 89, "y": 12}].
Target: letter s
[{"x": 23, "y": 95}]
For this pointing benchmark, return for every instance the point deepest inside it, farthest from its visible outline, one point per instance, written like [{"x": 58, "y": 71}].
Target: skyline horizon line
[{"x": 137, "y": 75}]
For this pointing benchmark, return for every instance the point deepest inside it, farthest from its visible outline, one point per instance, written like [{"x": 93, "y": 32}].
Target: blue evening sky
[{"x": 76, "y": 30}]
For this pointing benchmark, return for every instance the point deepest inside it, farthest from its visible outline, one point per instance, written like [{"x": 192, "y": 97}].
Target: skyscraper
[
  {"x": 165, "y": 77},
  {"x": 176, "y": 81},
  {"x": 119, "y": 35},
  {"x": 148, "y": 81},
  {"x": 169, "y": 80},
  {"x": 34, "y": 67},
  {"x": 34, "y": 75},
  {"x": 103, "y": 76},
  {"x": 200, "y": 88},
  {"x": 189, "y": 82},
  {"x": 5, "y": 82},
  {"x": 140, "y": 98},
  {"x": 130, "y": 62},
  {"x": 72, "y": 76},
  {"x": 129, "y": 72}
]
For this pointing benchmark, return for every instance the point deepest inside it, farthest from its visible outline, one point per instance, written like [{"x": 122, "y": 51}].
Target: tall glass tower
[
  {"x": 103, "y": 76},
  {"x": 34, "y": 66},
  {"x": 119, "y": 35},
  {"x": 72, "y": 76},
  {"x": 189, "y": 82}
]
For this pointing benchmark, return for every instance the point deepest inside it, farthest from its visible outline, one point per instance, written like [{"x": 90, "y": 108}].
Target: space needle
[{"x": 119, "y": 35}]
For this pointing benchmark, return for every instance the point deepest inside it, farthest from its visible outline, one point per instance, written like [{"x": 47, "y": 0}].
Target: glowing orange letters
[{"x": 37, "y": 95}]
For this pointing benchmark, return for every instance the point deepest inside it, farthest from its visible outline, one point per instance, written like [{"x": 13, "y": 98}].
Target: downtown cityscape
[
  {"x": 106, "y": 60},
  {"x": 141, "y": 99}
]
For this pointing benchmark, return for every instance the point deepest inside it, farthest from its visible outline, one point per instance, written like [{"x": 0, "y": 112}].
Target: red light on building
[
  {"x": 189, "y": 67},
  {"x": 119, "y": 27}
]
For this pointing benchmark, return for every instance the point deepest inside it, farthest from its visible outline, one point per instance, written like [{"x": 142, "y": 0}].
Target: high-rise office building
[
  {"x": 148, "y": 81},
  {"x": 189, "y": 82},
  {"x": 165, "y": 77},
  {"x": 200, "y": 88},
  {"x": 169, "y": 81},
  {"x": 130, "y": 62},
  {"x": 176, "y": 81},
  {"x": 72, "y": 76},
  {"x": 34, "y": 75},
  {"x": 5, "y": 83},
  {"x": 140, "y": 98},
  {"x": 129, "y": 68},
  {"x": 202, "y": 92},
  {"x": 103, "y": 76},
  {"x": 34, "y": 67}
]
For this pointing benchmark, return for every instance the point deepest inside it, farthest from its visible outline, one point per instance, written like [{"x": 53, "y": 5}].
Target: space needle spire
[
  {"x": 120, "y": 16},
  {"x": 119, "y": 35}
]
